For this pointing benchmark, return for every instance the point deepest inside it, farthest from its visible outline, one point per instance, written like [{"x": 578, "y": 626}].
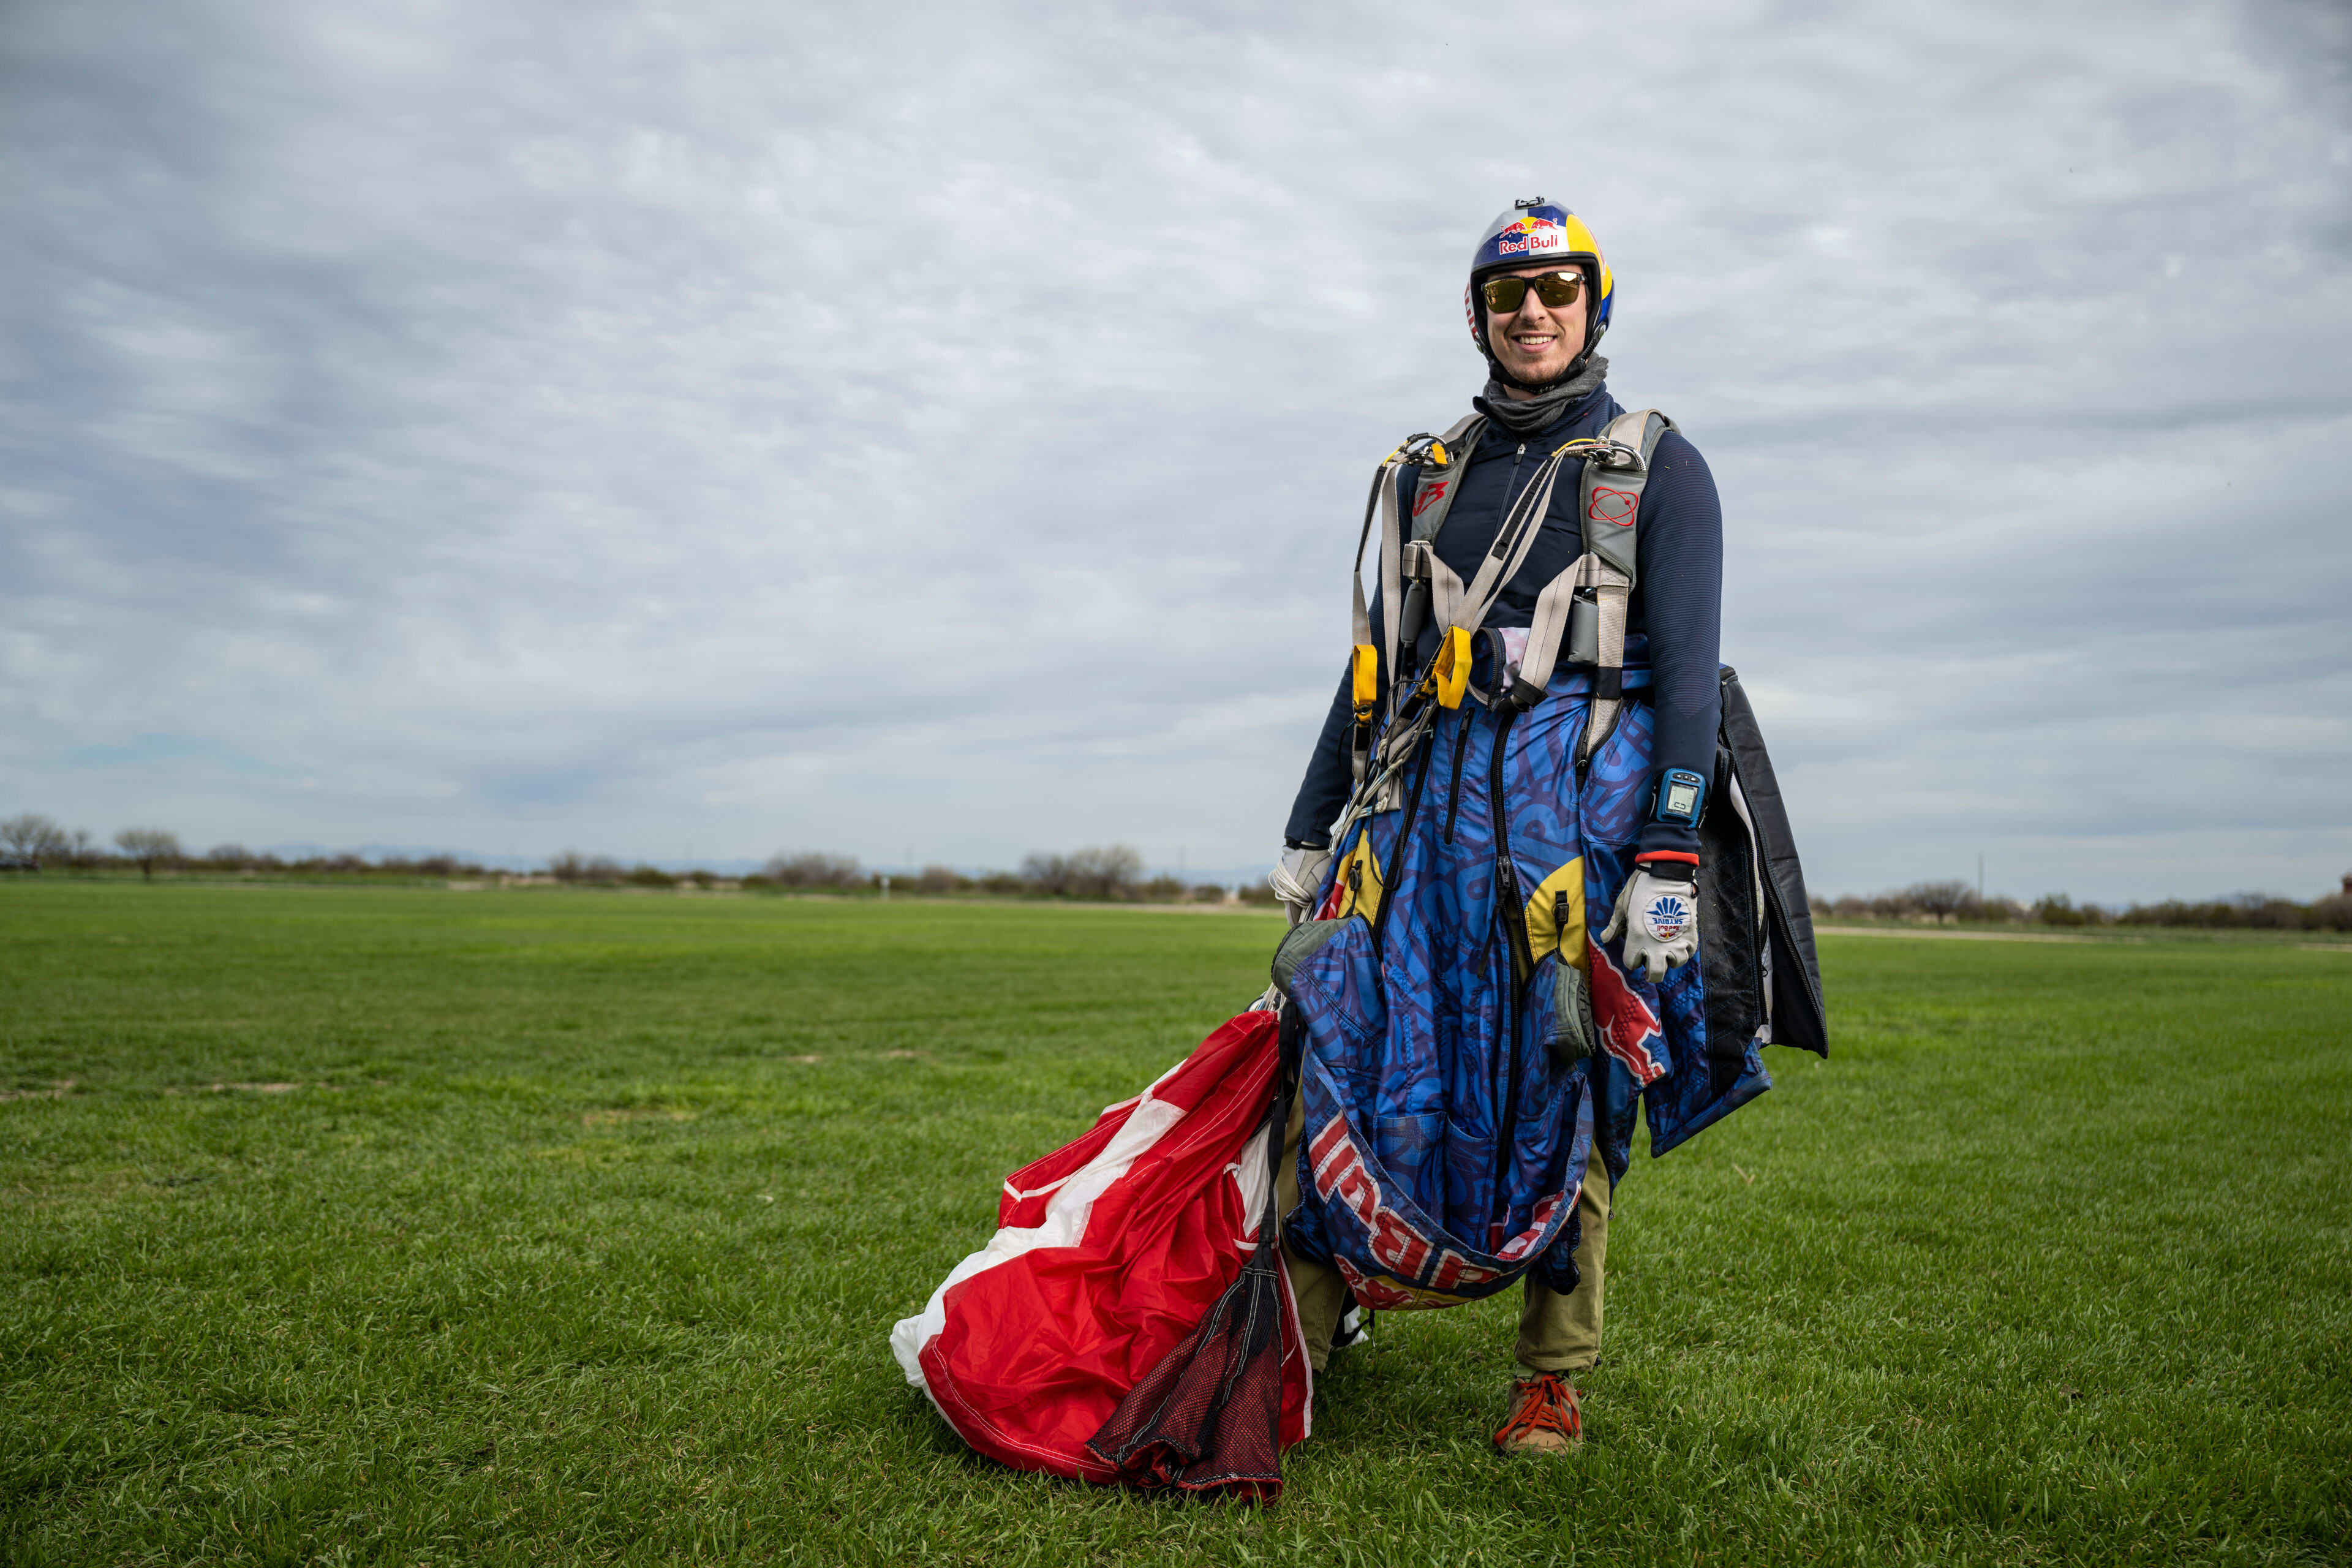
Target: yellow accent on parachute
[
  {"x": 1451, "y": 671},
  {"x": 1438, "y": 454},
  {"x": 1359, "y": 874},
  {"x": 1544, "y": 932},
  {"x": 1366, "y": 667}
]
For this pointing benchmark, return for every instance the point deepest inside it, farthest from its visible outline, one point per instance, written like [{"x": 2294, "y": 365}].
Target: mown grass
[{"x": 578, "y": 1233}]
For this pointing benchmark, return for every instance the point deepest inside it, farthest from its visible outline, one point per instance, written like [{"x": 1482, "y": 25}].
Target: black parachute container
[{"x": 1763, "y": 976}]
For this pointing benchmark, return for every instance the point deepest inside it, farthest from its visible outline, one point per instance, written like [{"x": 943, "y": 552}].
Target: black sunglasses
[{"x": 1504, "y": 296}]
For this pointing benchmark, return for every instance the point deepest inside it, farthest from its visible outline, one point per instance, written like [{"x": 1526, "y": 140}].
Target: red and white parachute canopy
[{"x": 1110, "y": 1254}]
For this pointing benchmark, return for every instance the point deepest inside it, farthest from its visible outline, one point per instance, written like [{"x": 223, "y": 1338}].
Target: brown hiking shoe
[{"x": 1544, "y": 1417}]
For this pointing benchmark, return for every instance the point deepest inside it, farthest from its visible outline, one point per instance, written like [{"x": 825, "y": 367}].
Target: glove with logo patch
[
  {"x": 1298, "y": 878},
  {"x": 1657, "y": 911}
]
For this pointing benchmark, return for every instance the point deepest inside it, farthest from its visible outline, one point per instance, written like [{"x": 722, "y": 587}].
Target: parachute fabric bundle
[{"x": 1135, "y": 1261}]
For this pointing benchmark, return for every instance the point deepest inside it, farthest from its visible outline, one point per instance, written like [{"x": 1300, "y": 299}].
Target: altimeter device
[{"x": 1681, "y": 795}]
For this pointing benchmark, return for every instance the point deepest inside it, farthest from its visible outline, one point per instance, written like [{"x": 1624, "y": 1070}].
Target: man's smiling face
[{"x": 1537, "y": 342}]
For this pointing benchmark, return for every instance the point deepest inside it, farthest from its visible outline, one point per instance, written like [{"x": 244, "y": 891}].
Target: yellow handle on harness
[
  {"x": 1451, "y": 671},
  {"x": 1365, "y": 666}
]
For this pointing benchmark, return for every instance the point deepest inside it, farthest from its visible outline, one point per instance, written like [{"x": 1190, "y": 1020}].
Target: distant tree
[
  {"x": 939, "y": 879},
  {"x": 809, "y": 869},
  {"x": 1941, "y": 900},
  {"x": 2268, "y": 911},
  {"x": 1046, "y": 872},
  {"x": 33, "y": 838},
  {"x": 235, "y": 857},
  {"x": 1113, "y": 872},
  {"x": 2056, "y": 910},
  {"x": 147, "y": 847},
  {"x": 568, "y": 867},
  {"x": 1110, "y": 872}
]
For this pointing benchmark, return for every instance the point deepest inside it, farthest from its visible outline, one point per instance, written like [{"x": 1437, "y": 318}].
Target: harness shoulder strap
[
  {"x": 1374, "y": 665},
  {"x": 1614, "y": 486},
  {"x": 1611, "y": 515},
  {"x": 1587, "y": 603},
  {"x": 1432, "y": 498}
]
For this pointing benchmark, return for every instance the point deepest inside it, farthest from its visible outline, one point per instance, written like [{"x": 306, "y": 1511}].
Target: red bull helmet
[{"x": 1533, "y": 232}]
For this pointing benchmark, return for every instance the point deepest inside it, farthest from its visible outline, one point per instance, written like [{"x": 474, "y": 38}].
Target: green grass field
[{"x": 483, "y": 1227}]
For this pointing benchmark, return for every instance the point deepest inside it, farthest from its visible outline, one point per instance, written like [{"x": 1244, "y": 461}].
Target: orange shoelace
[{"x": 1546, "y": 1404}]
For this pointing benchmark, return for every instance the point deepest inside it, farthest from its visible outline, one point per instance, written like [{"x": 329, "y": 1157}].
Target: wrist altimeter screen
[{"x": 1681, "y": 794}]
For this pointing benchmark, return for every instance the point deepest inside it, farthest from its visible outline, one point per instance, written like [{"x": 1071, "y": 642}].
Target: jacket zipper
[
  {"x": 1404, "y": 832},
  {"x": 1453, "y": 802},
  {"x": 1507, "y": 889},
  {"x": 1512, "y": 495},
  {"x": 1506, "y": 876}
]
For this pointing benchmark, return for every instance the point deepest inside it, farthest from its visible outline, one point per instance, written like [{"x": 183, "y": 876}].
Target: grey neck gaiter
[{"x": 1527, "y": 416}]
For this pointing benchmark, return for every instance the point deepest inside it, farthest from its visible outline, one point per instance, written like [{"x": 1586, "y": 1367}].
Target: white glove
[
  {"x": 1659, "y": 915},
  {"x": 1298, "y": 880}
]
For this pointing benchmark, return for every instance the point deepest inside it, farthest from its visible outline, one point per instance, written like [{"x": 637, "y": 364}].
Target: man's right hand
[{"x": 1297, "y": 879}]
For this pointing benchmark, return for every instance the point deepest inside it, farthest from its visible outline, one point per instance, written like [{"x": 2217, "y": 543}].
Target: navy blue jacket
[{"x": 1677, "y": 601}]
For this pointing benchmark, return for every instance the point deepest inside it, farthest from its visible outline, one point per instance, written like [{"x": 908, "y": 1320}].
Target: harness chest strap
[{"x": 1461, "y": 610}]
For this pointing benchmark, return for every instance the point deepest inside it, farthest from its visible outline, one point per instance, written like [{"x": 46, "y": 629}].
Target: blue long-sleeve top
[{"x": 1677, "y": 602}]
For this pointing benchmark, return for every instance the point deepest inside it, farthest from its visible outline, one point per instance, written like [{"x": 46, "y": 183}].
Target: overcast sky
[{"x": 938, "y": 431}]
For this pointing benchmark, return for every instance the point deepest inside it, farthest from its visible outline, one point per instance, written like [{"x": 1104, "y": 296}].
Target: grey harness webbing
[
  {"x": 1585, "y": 604},
  {"x": 1589, "y": 600}
]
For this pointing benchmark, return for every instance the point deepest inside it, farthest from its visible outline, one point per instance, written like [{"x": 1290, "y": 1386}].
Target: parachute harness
[{"x": 1585, "y": 604}]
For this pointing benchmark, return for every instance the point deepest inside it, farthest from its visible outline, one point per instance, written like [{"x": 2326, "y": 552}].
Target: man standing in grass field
[{"x": 1539, "y": 298}]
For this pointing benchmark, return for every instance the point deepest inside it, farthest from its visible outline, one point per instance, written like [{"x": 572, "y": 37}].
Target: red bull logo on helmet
[{"x": 1530, "y": 236}]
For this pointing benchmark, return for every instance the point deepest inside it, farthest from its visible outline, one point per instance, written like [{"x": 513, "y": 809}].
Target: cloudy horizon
[{"x": 938, "y": 435}]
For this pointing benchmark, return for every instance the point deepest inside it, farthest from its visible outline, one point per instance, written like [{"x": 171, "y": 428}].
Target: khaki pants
[{"x": 1557, "y": 1333}]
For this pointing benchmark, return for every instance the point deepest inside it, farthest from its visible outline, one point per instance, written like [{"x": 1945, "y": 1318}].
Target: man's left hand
[{"x": 1657, "y": 911}]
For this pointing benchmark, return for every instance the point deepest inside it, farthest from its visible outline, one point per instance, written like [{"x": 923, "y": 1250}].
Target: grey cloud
[{"x": 747, "y": 426}]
